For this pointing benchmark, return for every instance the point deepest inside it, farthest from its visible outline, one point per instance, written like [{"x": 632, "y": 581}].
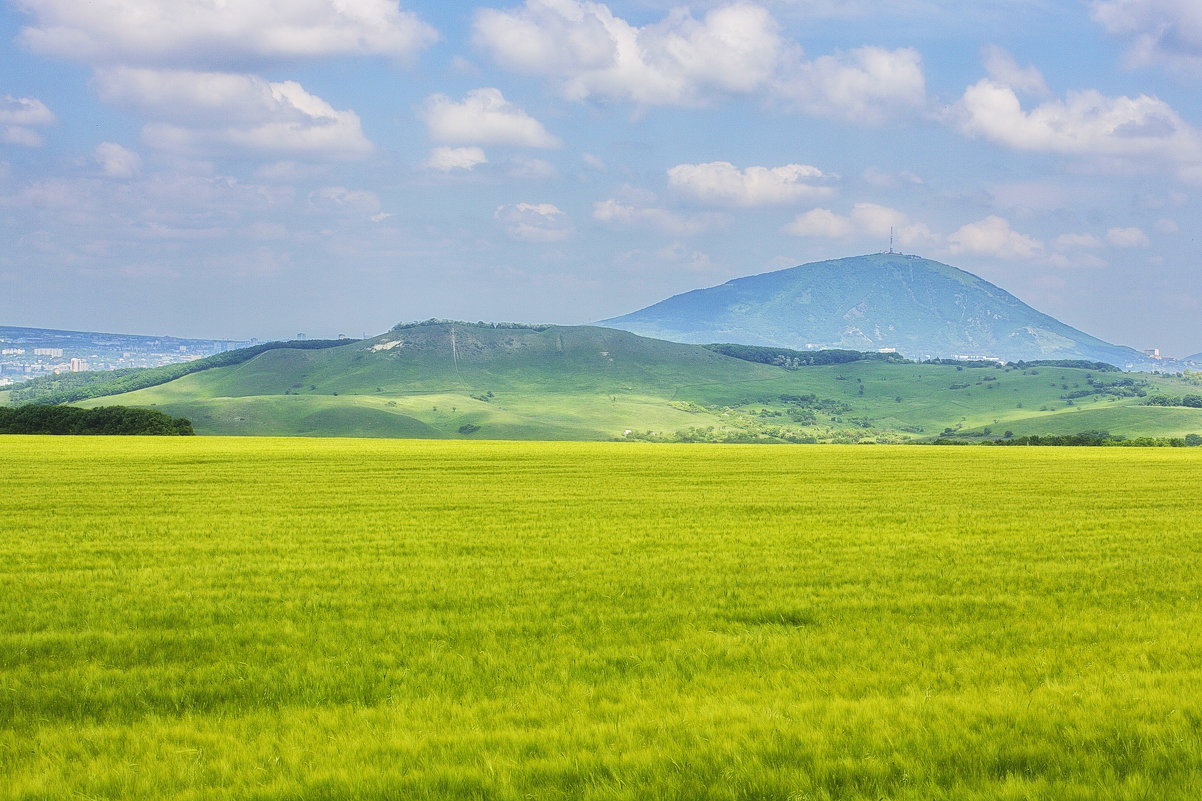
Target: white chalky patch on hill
[{"x": 386, "y": 345}]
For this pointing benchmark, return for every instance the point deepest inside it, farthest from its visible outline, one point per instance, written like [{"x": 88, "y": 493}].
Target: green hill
[
  {"x": 919, "y": 307},
  {"x": 463, "y": 380}
]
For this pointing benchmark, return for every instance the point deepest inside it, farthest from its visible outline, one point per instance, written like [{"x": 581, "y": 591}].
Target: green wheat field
[{"x": 304, "y": 619}]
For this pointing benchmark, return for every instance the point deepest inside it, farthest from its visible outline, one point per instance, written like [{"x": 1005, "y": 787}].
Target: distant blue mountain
[{"x": 922, "y": 308}]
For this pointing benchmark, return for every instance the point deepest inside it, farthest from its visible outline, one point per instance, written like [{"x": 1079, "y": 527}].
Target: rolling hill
[
  {"x": 919, "y": 307},
  {"x": 464, "y": 380}
]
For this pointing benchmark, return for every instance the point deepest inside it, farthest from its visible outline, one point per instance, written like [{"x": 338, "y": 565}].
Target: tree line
[
  {"x": 1188, "y": 401},
  {"x": 44, "y": 419},
  {"x": 1086, "y": 439},
  {"x": 792, "y": 359}
]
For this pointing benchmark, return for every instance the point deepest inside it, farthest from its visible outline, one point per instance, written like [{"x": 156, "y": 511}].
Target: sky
[{"x": 262, "y": 168}]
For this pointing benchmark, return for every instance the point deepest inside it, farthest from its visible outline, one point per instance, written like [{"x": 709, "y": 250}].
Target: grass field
[
  {"x": 256, "y": 618},
  {"x": 589, "y": 383}
]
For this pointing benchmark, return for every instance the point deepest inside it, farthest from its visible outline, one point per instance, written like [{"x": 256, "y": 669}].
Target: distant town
[{"x": 27, "y": 353}]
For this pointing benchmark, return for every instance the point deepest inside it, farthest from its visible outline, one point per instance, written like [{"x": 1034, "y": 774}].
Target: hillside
[
  {"x": 462, "y": 380},
  {"x": 920, "y": 307}
]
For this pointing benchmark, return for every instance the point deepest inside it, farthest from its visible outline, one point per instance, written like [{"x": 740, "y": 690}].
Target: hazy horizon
[{"x": 285, "y": 167}]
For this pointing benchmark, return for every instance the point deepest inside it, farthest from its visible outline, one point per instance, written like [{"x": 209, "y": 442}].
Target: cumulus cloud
[
  {"x": 1004, "y": 70},
  {"x": 534, "y": 222},
  {"x": 1128, "y": 238},
  {"x": 446, "y": 159},
  {"x": 866, "y": 85},
  {"x": 202, "y": 113},
  {"x": 191, "y": 33},
  {"x": 626, "y": 214},
  {"x": 820, "y": 223},
  {"x": 866, "y": 219},
  {"x": 735, "y": 49},
  {"x": 1163, "y": 32},
  {"x": 19, "y": 119},
  {"x": 116, "y": 161},
  {"x": 722, "y": 183},
  {"x": 1084, "y": 123},
  {"x": 993, "y": 236},
  {"x": 595, "y": 54},
  {"x": 484, "y": 117}
]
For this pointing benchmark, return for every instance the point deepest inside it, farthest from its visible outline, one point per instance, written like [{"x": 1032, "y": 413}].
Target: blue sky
[{"x": 269, "y": 167}]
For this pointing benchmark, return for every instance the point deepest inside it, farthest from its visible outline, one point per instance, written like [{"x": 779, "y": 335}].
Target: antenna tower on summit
[{"x": 891, "y": 239}]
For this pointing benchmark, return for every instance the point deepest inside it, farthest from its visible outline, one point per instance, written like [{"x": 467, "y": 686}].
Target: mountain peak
[{"x": 878, "y": 301}]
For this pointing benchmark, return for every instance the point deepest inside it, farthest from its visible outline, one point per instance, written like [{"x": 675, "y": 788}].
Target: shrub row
[{"x": 42, "y": 419}]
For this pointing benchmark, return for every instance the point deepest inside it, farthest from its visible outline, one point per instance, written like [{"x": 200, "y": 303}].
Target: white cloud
[
  {"x": 484, "y": 117},
  {"x": 866, "y": 219},
  {"x": 636, "y": 215},
  {"x": 534, "y": 222},
  {"x": 116, "y": 161},
  {"x": 19, "y": 116},
  {"x": 993, "y": 236},
  {"x": 1167, "y": 226},
  {"x": 720, "y": 182},
  {"x": 199, "y": 113},
  {"x": 191, "y": 33},
  {"x": 820, "y": 222},
  {"x": 877, "y": 220},
  {"x": 735, "y": 49},
  {"x": 680, "y": 61},
  {"x": 1004, "y": 70},
  {"x": 866, "y": 85},
  {"x": 1085, "y": 123},
  {"x": 446, "y": 159},
  {"x": 1165, "y": 32},
  {"x": 1076, "y": 242},
  {"x": 1128, "y": 238}
]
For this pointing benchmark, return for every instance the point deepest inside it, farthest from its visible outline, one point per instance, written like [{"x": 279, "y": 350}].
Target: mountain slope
[
  {"x": 920, "y": 307},
  {"x": 463, "y": 380}
]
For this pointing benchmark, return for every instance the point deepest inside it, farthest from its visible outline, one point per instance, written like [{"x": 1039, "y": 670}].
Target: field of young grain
[{"x": 210, "y": 618}]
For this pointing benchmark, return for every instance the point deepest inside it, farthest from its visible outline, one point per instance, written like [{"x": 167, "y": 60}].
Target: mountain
[
  {"x": 1195, "y": 359},
  {"x": 922, "y": 308},
  {"x": 484, "y": 381}
]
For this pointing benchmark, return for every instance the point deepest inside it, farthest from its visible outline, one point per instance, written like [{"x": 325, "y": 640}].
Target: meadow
[
  {"x": 477, "y": 381},
  {"x": 260, "y": 618}
]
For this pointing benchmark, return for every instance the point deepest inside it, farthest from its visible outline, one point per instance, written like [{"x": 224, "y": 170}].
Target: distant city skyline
[{"x": 286, "y": 166}]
